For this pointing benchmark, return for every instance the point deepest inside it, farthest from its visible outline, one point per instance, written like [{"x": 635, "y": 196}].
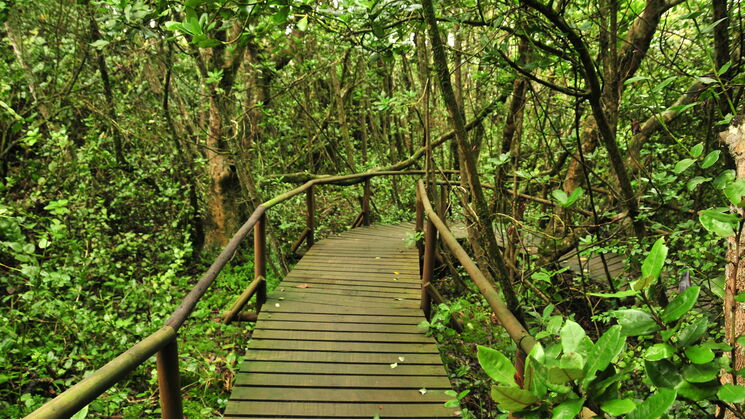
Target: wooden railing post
[
  {"x": 169, "y": 381},
  {"x": 430, "y": 243},
  {"x": 310, "y": 217},
  {"x": 366, "y": 203},
  {"x": 419, "y": 227},
  {"x": 260, "y": 260}
]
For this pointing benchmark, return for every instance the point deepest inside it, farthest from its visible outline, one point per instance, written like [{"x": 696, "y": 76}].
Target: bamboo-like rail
[
  {"x": 435, "y": 225},
  {"x": 163, "y": 341}
]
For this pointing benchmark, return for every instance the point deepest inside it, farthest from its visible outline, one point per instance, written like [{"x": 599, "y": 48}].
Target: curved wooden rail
[
  {"x": 512, "y": 325},
  {"x": 163, "y": 341}
]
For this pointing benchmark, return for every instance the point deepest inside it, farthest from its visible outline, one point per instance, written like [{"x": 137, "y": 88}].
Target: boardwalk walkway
[{"x": 339, "y": 338}]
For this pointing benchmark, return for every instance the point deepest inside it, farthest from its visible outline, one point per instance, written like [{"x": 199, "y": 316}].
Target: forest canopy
[{"x": 594, "y": 152}]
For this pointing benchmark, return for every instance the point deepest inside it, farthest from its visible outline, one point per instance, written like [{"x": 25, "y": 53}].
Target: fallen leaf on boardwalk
[
  {"x": 303, "y": 286},
  {"x": 395, "y": 279},
  {"x": 394, "y": 365},
  {"x": 281, "y": 298},
  {"x": 396, "y": 273},
  {"x": 423, "y": 391},
  {"x": 401, "y": 359},
  {"x": 276, "y": 305},
  {"x": 456, "y": 413},
  {"x": 377, "y": 257}
]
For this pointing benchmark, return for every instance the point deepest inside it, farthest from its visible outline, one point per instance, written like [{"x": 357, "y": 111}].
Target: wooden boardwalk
[{"x": 339, "y": 337}]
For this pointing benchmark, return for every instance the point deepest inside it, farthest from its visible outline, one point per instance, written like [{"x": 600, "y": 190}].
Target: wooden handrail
[
  {"x": 163, "y": 341},
  {"x": 511, "y": 324}
]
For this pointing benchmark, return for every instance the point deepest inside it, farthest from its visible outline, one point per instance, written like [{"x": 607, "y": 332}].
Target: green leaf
[
  {"x": 699, "y": 354},
  {"x": 735, "y": 191},
  {"x": 730, "y": 393},
  {"x": 377, "y": 30},
  {"x": 698, "y": 391},
  {"x": 302, "y": 24},
  {"x": 664, "y": 83},
  {"x": 710, "y": 27},
  {"x": 659, "y": 351},
  {"x": 574, "y": 196},
  {"x": 710, "y": 159},
  {"x": 568, "y": 409},
  {"x": 681, "y": 304},
  {"x": 81, "y": 414},
  {"x": 99, "y": 44},
  {"x": 724, "y": 179},
  {"x": 635, "y": 79},
  {"x": 724, "y": 68},
  {"x": 663, "y": 373},
  {"x": 619, "y": 294},
  {"x": 701, "y": 373},
  {"x": 692, "y": 333},
  {"x": 557, "y": 375},
  {"x": 618, "y": 407},
  {"x": 706, "y": 80},
  {"x": 608, "y": 347},
  {"x": 513, "y": 399},
  {"x": 719, "y": 222},
  {"x": 682, "y": 165},
  {"x": 652, "y": 265},
  {"x": 697, "y": 150},
  {"x": 655, "y": 406},
  {"x": 635, "y": 322},
  {"x": 497, "y": 366},
  {"x": 571, "y": 335},
  {"x": 695, "y": 181},
  {"x": 561, "y": 197}
]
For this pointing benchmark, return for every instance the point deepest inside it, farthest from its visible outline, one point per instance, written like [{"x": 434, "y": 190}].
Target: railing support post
[
  {"x": 366, "y": 203},
  {"x": 169, "y": 381},
  {"x": 260, "y": 260},
  {"x": 420, "y": 227},
  {"x": 310, "y": 218},
  {"x": 430, "y": 243}
]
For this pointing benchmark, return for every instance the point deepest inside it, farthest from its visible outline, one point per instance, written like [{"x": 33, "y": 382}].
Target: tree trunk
[{"x": 734, "y": 314}]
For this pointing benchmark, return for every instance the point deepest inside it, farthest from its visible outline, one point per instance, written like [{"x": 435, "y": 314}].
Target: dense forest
[{"x": 136, "y": 137}]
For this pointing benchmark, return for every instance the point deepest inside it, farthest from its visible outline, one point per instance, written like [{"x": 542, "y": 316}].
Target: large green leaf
[
  {"x": 513, "y": 399},
  {"x": 718, "y": 221},
  {"x": 571, "y": 336},
  {"x": 635, "y": 322},
  {"x": 655, "y": 406},
  {"x": 497, "y": 366},
  {"x": 663, "y": 373},
  {"x": 659, "y": 351},
  {"x": 608, "y": 346},
  {"x": 680, "y": 304},
  {"x": 699, "y": 354},
  {"x": 682, "y": 165},
  {"x": 735, "y": 191},
  {"x": 710, "y": 159},
  {"x": 730, "y": 393},
  {"x": 569, "y": 409},
  {"x": 698, "y": 391},
  {"x": 561, "y": 376},
  {"x": 652, "y": 265},
  {"x": 697, "y": 149},
  {"x": 692, "y": 333},
  {"x": 701, "y": 373},
  {"x": 618, "y": 407}
]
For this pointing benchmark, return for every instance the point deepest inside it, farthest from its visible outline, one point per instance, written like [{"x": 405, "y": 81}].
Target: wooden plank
[
  {"x": 341, "y": 381},
  {"x": 400, "y": 349},
  {"x": 286, "y": 367},
  {"x": 379, "y": 290},
  {"x": 340, "y": 284},
  {"x": 338, "y": 301},
  {"x": 342, "y": 357},
  {"x": 327, "y": 284},
  {"x": 363, "y": 276},
  {"x": 338, "y": 409},
  {"x": 339, "y": 318},
  {"x": 341, "y": 336},
  {"x": 280, "y": 306},
  {"x": 305, "y": 394},
  {"x": 271, "y": 324},
  {"x": 335, "y": 293},
  {"x": 407, "y": 270}
]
